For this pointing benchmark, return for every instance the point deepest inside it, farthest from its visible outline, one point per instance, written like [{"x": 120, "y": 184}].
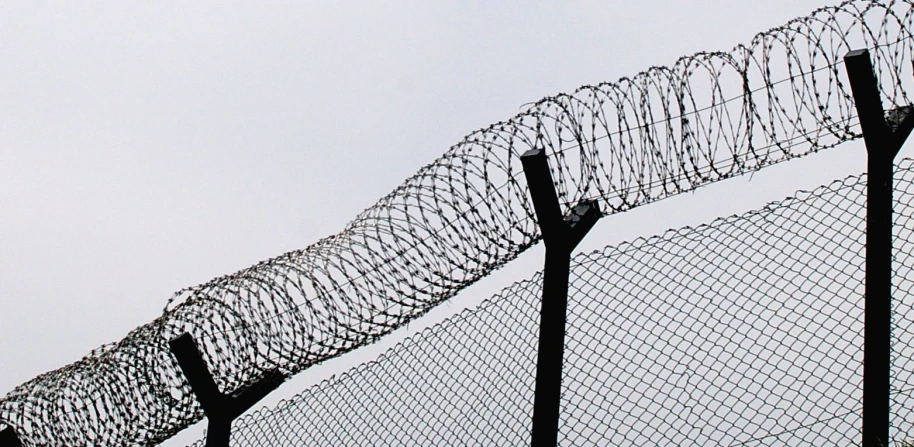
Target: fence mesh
[{"x": 744, "y": 332}]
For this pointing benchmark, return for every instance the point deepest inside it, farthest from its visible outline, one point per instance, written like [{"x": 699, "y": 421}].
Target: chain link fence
[
  {"x": 707, "y": 117},
  {"x": 747, "y": 331}
]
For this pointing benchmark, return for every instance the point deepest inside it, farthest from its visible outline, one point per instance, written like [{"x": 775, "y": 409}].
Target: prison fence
[
  {"x": 667, "y": 130},
  {"x": 743, "y": 332}
]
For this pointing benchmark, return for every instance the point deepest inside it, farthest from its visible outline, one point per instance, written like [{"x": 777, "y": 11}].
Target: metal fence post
[
  {"x": 219, "y": 408},
  {"x": 561, "y": 234},
  {"x": 8, "y": 438},
  {"x": 883, "y": 134}
]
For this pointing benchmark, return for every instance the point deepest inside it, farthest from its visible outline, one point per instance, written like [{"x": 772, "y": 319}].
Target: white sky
[{"x": 149, "y": 147}]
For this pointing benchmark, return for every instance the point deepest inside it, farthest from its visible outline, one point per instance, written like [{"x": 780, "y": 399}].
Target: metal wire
[
  {"x": 743, "y": 332},
  {"x": 667, "y": 130}
]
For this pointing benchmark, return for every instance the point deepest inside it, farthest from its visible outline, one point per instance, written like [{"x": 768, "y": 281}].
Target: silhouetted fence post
[
  {"x": 884, "y": 136},
  {"x": 219, "y": 408},
  {"x": 561, "y": 235},
  {"x": 8, "y": 438}
]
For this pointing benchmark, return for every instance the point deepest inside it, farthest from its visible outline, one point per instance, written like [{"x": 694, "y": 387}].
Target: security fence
[
  {"x": 667, "y": 130},
  {"x": 743, "y": 332}
]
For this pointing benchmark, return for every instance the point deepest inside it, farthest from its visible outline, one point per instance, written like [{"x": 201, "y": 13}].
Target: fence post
[
  {"x": 219, "y": 408},
  {"x": 8, "y": 438},
  {"x": 883, "y": 135},
  {"x": 561, "y": 234}
]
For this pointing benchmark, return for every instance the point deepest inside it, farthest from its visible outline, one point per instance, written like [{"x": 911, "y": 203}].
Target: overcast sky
[{"x": 149, "y": 147}]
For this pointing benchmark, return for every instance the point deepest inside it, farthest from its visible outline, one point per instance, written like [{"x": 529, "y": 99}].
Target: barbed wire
[
  {"x": 742, "y": 332},
  {"x": 667, "y": 130}
]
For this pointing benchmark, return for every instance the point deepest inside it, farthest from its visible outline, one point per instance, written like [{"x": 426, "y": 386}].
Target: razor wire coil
[{"x": 667, "y": 130}]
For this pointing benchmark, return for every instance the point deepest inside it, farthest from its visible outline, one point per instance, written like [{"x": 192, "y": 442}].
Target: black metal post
[
  {"x": 561, "y": 234},
  {"x": 8, "y": 438},
  {"x": 219, "y": 408},
  {"x": 883, "y": 135}
]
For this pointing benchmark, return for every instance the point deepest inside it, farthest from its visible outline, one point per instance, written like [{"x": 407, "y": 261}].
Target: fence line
[
  {"x": 667, "y": 130},
  {"x": 743, "y": 332}
]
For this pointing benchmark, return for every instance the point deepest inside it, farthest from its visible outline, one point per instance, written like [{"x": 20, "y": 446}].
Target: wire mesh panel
[
  {"x": 740, "y": 332},
  {"x": 744, "y": 332},
  {"x": 428, "y": 391}
]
